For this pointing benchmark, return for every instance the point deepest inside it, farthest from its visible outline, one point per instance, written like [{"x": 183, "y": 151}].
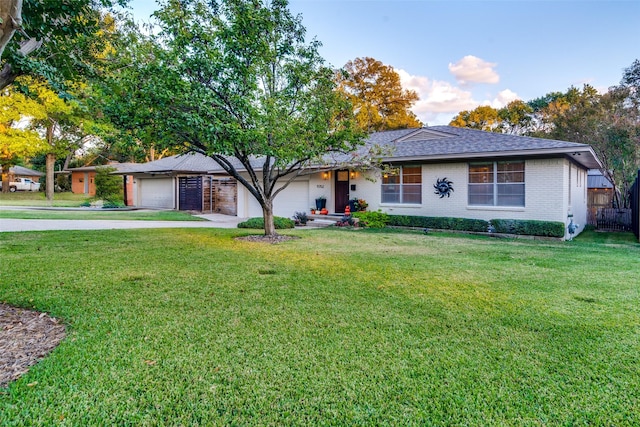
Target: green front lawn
[
  {"x": 38, "y": 198},
  {"x": 340, "y": 327}
]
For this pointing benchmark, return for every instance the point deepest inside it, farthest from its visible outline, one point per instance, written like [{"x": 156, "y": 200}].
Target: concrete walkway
[{"x": 213, "y": 221}]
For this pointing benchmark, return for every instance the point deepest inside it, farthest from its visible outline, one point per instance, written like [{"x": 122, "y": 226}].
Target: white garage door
[
  {"x": 156, "y": 193},
  {"x": 295, "y": 198}
]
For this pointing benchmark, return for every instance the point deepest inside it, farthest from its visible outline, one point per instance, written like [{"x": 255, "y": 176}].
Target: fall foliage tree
[
  {"x": 377, "y": 95},
  {"x": 17, "y": 139},
  {"x": 48, "y": 125},
  {"x": 515, "y": 118},
  {"x": 67, "y": 126},
  {"x": 483, "y": 118}
]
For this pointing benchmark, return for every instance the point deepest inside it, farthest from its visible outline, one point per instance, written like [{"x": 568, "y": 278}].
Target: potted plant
[
  {"x": 361, "y": 205},
  {"x": 300, "y": 218},
  {"x": 321, "y": 203},
  {"x": 358, "y": 205}
]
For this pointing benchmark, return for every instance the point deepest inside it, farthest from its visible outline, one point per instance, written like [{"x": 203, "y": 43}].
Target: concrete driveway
[{"x": 213, "y": 221}]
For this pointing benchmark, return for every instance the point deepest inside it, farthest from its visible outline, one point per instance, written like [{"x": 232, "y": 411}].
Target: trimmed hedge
[
  {"x": 258, "y": 223},
  {"x": 109, "y": 204},
  {"x": 504, "y": 226},
  {"x": 443, "y": 223},
  {"x": 529, "y": 227},
  {"x": 372, "y": 219}
]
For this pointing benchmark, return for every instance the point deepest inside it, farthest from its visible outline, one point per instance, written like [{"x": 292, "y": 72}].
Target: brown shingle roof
[
  {"x": 448, "y": 142},
  {"x": 434, "y": 143}
]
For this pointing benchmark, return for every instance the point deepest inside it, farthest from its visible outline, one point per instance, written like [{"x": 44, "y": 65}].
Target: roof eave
[{"x": 589, "y": 161}]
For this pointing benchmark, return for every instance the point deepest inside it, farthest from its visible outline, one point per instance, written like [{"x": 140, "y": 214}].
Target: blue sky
[{"x": 461, "y": 54}]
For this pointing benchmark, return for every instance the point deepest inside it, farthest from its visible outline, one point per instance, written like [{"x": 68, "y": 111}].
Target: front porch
[{"x": 319, "y": 221}]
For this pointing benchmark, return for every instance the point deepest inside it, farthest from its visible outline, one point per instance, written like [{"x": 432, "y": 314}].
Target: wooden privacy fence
[
  {"x": 635, "y": 206},
  {"x": 612, "y": 219}
]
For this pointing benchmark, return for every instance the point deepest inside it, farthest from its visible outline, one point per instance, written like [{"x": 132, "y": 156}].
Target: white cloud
[
  {"x": 472, "y": 69},
  {"x": 502, "y": 99},
  {"x": 439, "y": 100}
]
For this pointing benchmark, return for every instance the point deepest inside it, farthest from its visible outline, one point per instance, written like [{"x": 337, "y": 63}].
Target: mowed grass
[
  {"x": 38, "y": 198},
  {"x": 192, "y": 327}
]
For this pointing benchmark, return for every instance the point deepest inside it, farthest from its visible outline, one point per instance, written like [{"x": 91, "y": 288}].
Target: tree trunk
[
  {"x": 50, "y": 170},
  {"x": 11, "y": 15},
  {"x": 267, "y": 213},
  {"x": 5, "y": 177},
  {"x": 67, "y": 160},
  {"x": 50, "y": 163},
  {"x": 7, "y": 76}
]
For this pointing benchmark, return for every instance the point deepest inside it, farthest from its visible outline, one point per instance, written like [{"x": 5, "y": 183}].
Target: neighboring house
[
  {"x": 83, "y": 180},
  {"x": 184, "y": 182},
  {"x": 22, "y": 172},
  {"x": 490, "y": 175}
]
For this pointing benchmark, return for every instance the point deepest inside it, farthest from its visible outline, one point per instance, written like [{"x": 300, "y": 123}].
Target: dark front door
[
  {"x": 342, "y": 190},
  {"x": 190, "y": 193}
]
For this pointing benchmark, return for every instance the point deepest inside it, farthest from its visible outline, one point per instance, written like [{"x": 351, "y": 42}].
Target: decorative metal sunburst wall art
[{"x": 443, "y": 187}]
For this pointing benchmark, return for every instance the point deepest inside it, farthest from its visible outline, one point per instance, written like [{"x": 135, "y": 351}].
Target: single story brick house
[
  {"x": 83, "y": 179},
  {"x": 22, "y": 172},
  {"x": 431, "y": 171}
]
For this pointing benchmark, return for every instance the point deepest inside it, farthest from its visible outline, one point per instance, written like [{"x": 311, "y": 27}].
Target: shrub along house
[{"x": 439, "y": 171}]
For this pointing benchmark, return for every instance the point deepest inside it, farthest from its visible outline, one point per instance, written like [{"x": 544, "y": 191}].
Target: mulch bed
[{"x": 25, "y": 337}]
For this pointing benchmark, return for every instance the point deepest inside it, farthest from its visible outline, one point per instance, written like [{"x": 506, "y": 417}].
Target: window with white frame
[
  {"x": 403, "y": 185},
  {"x": 496, "y": 184}
]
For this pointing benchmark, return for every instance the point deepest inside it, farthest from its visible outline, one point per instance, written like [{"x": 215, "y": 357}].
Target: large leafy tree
[
  {"x": 515, "y": 118},
  {"x": 235, "y": 80},
  {"x": 609, "y": 122},
  {"x": 55, "y": 39},
  {"x": 377, "y": 95},
  {"x": 17, "y": 140},
  {"x": 483, "y": 117},
  {"x": 59, "y": 41},
  {"x": 67, "y": 125},
  {"x": 131, "y": 94}
]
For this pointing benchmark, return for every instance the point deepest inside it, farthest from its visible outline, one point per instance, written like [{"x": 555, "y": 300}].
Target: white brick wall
[
  {"x": 578, "y": 205},
  {"x": 546, "y": 194}
]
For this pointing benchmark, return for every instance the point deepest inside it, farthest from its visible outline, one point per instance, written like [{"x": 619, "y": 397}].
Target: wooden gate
[
  {"x": 635, "y": 207},
  {"x": 220, "y": 196},
  {"x": 190, "y": 193},
  {"x": 598, "y": 198},
  {"x": 613, "y": 219}
]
